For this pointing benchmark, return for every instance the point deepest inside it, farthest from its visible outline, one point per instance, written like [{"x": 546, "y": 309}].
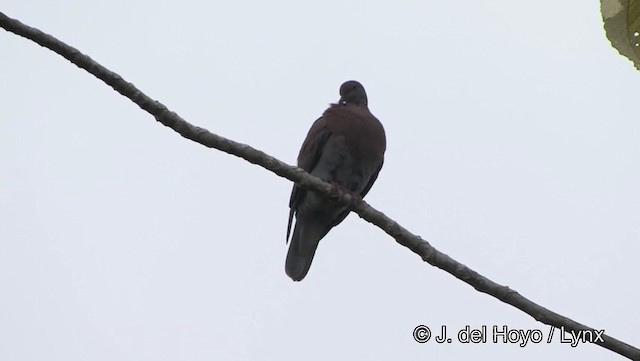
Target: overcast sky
[{"x": 512, "y": 146}]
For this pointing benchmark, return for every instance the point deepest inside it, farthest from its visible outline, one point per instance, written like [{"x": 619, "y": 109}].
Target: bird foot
[{"x": 355, "y": 197}]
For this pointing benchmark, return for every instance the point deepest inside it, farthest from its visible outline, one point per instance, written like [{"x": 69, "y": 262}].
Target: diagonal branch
[{"x": 416, "y": 244}]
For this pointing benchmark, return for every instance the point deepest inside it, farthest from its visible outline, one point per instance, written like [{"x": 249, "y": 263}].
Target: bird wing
[{"x": 310, "y": 153}]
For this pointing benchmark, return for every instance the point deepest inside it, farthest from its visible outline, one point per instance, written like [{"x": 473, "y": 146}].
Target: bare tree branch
[{"x": 416, "y": 244}]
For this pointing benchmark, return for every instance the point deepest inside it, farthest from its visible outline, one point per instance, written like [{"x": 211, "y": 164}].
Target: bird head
[{"x": 352, "y": 92}]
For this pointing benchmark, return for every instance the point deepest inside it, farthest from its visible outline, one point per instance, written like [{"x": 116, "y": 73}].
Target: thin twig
[{"x": 421, "y": 247}]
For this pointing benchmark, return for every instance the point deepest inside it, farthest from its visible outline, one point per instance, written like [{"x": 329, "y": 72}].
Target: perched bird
[{"x": 345, "y": 147}]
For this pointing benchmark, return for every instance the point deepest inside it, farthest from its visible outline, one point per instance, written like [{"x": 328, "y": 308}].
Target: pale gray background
[{"x": 513, "y": 146}]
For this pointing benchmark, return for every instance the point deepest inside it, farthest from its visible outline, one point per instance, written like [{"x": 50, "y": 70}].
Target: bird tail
[{"x": 304, "y": 243}]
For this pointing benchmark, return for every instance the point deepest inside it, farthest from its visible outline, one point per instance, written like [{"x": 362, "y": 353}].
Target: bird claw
[{"x": 355, "y": 197}]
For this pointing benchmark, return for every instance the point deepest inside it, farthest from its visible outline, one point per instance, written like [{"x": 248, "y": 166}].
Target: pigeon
[{"x": 344, "y": 147}]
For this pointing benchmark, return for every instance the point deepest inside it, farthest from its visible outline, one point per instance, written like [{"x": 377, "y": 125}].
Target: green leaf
[{"x": 622, "y": 25}]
